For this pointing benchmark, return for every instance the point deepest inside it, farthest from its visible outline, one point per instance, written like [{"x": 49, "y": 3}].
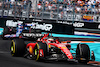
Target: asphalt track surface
[{"x": 6, "y": 60}]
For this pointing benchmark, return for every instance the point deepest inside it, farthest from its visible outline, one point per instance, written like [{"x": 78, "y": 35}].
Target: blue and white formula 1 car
[{"x": 22, "y": 30}]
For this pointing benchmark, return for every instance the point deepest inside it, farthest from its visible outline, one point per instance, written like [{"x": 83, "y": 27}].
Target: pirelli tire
[
  {"x": 40, "y": 46},
  {"x": 17, "y": 47},
  {"x": 5, "y": 31},
  {"x": 83, "y": 53}
]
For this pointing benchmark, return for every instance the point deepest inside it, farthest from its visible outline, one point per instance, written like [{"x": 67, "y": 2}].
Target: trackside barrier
[{"x": 48, "y": 26}]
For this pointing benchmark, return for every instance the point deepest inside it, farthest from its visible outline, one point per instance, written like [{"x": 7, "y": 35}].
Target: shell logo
[
  {"x": 88, "y": 17},
  {"x": 63, "y": 47},
  {"x": 30, "y": 50}
]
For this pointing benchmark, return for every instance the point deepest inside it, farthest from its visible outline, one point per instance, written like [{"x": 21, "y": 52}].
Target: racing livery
[
  {"x": 50, "y": 48},
  {"x": 22, "y": 30}
]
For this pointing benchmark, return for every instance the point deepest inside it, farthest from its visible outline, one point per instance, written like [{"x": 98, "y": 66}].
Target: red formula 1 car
[{"x": 50, "y": 48}]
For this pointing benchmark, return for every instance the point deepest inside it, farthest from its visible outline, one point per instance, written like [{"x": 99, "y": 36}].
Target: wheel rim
[
  {"x": 13, "y": 48},
  {"x": 36, "y": 52}
]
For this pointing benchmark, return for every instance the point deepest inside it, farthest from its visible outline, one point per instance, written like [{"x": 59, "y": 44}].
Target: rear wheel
[
  {"x": 40, "y": 51},
  {"x": 83, "y": 53},
  {"x": 17, "y": 47}
]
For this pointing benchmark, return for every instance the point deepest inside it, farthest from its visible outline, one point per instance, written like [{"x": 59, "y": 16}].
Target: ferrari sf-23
[{"x": 51, "y": 48}]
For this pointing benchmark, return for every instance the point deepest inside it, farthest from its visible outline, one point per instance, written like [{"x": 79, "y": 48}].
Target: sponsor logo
[
  {"x": 88, "y": 18},
  {"x": 65, "y": 22},
  {"x": 11, "y": 23},
  {"x": 32, "y": 34},
  {"x": 71, "y": 17},
  {"x": 41, "y": 53},
  {"x": 36, "y": 20},
  {"x": 76, "y": 24},
  {"x": 99, "y": 26},
  {"x": 46, "y": 27}
]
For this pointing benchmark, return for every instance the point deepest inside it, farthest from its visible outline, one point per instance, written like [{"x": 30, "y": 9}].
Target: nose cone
[{"x": 66, "y": 51}]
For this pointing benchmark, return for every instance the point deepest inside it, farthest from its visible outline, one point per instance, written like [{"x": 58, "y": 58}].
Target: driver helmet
[{"x": 50, "y": 40}]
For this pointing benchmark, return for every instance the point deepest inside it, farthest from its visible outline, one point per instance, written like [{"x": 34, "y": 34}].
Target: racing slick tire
[
  {"x": 17, "y": 47},
  {"x": 83, "y": 53},
  {"x": 5, "y": 31},
  {"x": 40, "y": 47}
]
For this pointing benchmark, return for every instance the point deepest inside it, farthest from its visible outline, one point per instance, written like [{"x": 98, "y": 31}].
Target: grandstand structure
[
  {"x": 68, "y": 10},
  {"x": 83, "y": 15}
]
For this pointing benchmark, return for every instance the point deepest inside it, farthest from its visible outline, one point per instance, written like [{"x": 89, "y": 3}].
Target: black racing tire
[
  {"x": 83, "y": 51},
  {"x": 42, "y": 46},
  {"x": 5, "y": 31},
  {"x": 17, "y": 47}
]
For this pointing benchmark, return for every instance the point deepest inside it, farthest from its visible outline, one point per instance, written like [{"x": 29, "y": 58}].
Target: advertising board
[{"x": 45, "y": 26}]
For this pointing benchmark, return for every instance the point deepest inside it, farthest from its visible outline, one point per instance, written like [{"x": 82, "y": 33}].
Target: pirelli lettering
[{"x": 32, "y": 34}]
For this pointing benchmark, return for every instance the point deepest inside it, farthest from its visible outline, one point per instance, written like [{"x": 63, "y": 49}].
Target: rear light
[{"x": 20, "y": 36}]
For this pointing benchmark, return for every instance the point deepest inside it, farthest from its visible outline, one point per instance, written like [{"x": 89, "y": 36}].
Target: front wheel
[
  {"x": 83, "y": 53},
  {"x": 17, "y": 47},
  {"x": 40, "y": 51}
]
